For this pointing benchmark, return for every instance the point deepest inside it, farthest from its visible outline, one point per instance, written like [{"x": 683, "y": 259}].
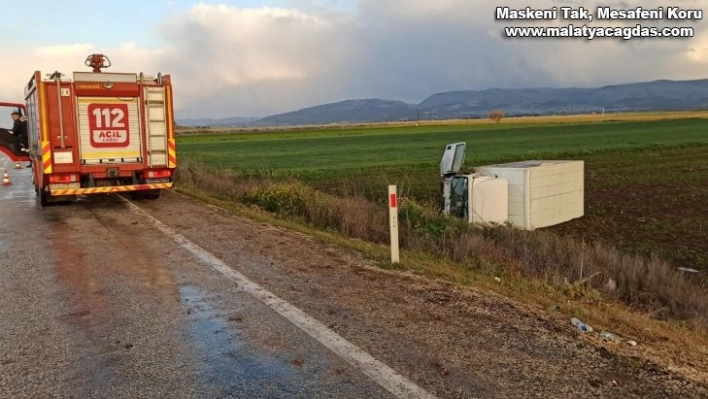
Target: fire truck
[{"x": 100, "y": 133}]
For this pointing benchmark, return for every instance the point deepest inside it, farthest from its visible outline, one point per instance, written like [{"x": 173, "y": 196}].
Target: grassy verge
[{"x": 542, "y": 263}]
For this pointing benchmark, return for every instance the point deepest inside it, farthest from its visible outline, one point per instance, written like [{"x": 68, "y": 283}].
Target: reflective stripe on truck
[
  {"x": 111, "y": 189},
  {"x": 47, "y": 157},
  {"x": 172, "y": 149}
]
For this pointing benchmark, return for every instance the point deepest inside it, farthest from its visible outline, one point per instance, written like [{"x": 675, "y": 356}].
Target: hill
[
  {"x": 232, "y": 121},
  {"x": 659, "y": 95},
  {"x": 367, "y": 110}
]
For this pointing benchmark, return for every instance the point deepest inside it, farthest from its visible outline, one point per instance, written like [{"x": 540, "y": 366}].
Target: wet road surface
[
  {"x": 88, "y": 309},
  {"x": 96, "y": 301}
]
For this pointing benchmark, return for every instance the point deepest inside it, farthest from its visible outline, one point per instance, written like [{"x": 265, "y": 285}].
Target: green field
[
  {"x": 645, "y": 194},
  {"x": 311, "y": 153},
  {"x": 645, "y": 180},
  {"x": 365, "y": 161}
]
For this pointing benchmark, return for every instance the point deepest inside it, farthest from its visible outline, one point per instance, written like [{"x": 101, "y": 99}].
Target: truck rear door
[{"x": 109, "y": 118}]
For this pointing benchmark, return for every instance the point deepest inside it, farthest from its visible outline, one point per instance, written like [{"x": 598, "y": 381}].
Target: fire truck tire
[
  {"x": 149, "y": 194},
  {"x": 153, "y": 194},
  {"x": 43, "y": 198}
]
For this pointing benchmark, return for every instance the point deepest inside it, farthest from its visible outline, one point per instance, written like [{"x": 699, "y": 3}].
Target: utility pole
[{"x": 277, "y": 125}]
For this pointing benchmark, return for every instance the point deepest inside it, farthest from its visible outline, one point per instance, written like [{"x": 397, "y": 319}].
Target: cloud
[
  {"x": 228, "y": 61},
  {"x": 66, "y": 58},
  {"x": 255, "y": 60}
]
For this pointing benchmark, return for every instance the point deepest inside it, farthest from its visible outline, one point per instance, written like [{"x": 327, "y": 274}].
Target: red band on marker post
[{"x": 393, "y": 222}]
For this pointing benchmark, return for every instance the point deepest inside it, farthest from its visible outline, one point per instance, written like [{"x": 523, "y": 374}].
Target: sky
[{"x": 259, "y": 57}]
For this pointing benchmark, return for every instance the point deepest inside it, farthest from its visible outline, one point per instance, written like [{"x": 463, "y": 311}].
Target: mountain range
[{"x": 659, "y": 95}]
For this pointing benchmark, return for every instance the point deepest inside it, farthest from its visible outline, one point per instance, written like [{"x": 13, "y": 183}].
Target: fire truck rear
[{"x": 100, "y": 133}]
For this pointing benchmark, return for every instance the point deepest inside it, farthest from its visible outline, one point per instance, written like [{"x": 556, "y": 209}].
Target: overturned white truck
[{"x": 527, "y": 194}]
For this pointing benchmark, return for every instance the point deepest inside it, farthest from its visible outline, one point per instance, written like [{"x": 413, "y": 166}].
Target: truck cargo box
[{"x": 542, "y": 193}]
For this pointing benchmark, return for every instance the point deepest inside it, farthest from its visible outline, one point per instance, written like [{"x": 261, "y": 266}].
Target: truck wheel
[
  {"x": 146, "y": 194},
  {"x": 43, "y": 198},
  {"x": 153, "y": 194}
]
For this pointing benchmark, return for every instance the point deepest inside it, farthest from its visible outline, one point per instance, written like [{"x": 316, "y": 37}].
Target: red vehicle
[
  {"x": 99, "y": 133},
  {"x": 10, "y": 143}
]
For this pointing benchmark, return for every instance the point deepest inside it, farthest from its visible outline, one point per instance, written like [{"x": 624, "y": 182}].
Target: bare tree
[{"x": 496, "y": 115}]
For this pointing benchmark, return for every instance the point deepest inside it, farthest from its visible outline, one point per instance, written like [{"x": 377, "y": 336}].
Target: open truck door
[
  {"x": 450, "y": 165},
  {"x": 452, "y": 159},
  {"x": 10, "y": 143}
]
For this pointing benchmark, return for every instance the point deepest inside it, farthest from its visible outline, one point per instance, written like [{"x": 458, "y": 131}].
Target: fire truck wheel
[
  {"x": 137, "y": 195},
  {"x": 43, "y": 198},
  {"x": 149, "y": 194}
]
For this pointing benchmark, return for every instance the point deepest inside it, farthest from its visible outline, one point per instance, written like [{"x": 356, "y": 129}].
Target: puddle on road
[{"x": 229, "y": 364}]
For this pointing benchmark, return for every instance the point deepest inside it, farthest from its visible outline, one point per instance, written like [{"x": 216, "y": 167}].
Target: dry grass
[{"x": 648, "y": 285}]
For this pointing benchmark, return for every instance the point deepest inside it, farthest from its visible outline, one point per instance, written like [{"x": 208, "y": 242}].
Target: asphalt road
[
  {"x": 89, "y": 308},
  {"x": 176, "y": 299}
]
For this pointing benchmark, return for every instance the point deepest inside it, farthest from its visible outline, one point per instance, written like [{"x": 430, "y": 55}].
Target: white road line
[{"x": 395, "y": 383}]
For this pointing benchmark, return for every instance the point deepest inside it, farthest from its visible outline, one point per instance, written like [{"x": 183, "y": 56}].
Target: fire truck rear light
[
  {"x": 156, "y": 174},
  {"x": 65, "y": 178}
]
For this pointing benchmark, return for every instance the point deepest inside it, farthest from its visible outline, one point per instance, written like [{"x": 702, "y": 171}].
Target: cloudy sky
[{"x": 258, "y": 57}]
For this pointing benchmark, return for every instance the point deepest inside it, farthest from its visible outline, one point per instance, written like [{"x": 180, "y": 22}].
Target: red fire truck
[{"x": 100, "y": 133}]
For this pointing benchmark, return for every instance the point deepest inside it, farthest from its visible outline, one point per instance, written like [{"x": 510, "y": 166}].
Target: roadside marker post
[{"x": 393, "y": 222}]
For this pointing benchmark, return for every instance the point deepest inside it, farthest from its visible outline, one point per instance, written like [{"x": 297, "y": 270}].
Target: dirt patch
[{"x": 649, "y": 202}]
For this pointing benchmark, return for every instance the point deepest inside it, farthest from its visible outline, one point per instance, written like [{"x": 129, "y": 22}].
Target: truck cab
[{"x": 476, "y": 197}]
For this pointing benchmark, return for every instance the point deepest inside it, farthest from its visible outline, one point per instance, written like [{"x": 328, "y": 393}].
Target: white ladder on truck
[{"x": 156, "y": 125}]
